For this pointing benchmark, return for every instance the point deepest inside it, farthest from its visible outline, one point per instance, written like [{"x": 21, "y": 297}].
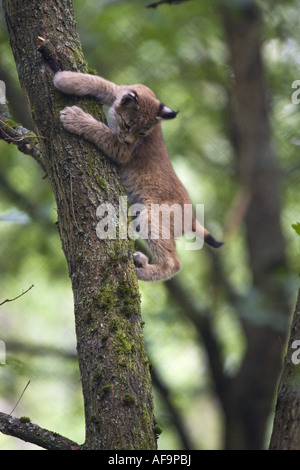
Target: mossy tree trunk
[{"x": 113, "y": 363}]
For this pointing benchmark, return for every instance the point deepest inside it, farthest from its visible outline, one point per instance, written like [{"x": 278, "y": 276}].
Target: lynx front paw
[
  {"x": 72, "y": 119},
  {"x": 68, "y": 82},
  {"x": 140, "y": 260}
]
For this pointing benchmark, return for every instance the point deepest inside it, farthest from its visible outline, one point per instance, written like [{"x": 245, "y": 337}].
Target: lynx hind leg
[{"x": 166, "y": 262}]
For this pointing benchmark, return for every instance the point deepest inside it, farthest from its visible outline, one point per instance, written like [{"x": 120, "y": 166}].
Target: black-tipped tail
[{"x": 210, "y": 240}]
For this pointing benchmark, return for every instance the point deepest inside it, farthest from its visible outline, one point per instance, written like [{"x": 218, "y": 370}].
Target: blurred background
[{"x": 181, "y": 52}]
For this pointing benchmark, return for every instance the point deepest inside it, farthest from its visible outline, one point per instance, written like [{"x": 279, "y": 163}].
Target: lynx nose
[{"x": 129, "y": 139}]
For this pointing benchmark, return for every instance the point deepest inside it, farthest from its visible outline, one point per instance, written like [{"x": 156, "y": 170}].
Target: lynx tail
[{"x": 208, "y": 238}]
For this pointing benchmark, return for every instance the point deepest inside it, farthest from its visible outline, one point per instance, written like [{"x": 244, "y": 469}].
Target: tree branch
[
  {"x": 24, "y": 203},
  {"x": 12, "y": 133},
  {"x": 49, "y": 54},
  {"x": 23, "y": 429},
  {"x": 203, "y": 324},
  {"x": 175, "y": 414},
  {"x": 15, "y": 298},
  {"x": 17, "y": 102}
]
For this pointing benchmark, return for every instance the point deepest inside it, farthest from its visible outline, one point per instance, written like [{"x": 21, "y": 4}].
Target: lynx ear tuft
[
  {"x": 165, "y": 113},
  {"x": 130, "y": 99}
]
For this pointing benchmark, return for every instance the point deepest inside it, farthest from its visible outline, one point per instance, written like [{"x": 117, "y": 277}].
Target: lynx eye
[
  {"x": 142, "y": 133},
  {"x": 127, "y": 126}
]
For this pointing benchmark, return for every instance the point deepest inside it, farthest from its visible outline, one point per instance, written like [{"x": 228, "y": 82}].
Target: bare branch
[
  {"x": 49, "y": 54},
  {"x": 24, "y": 139},
  {"x": 176, "y": 417},
  {"x": 23, "y": 429},
  {"x": 15, "y": 298},
  {"x": 24, "y": 203}
]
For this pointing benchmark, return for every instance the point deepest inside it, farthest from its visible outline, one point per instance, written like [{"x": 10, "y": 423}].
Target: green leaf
[{"x": 296, "y": 227}]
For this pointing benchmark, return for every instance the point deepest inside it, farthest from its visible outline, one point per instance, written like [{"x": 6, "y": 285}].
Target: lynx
[{"x": 133, "y": 141}]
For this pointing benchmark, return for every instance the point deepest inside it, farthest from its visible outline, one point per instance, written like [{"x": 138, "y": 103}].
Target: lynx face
[{"x": 135, "y": 112}]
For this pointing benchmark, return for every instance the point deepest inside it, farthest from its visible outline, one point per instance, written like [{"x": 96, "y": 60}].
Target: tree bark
[
  {"x": 114, "y": 367},
  {"x": 29, "y": 432},
  {"x": 286, "y": 428}
]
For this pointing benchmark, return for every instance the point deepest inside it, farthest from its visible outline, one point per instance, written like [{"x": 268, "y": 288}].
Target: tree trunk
[
  {"x": 114, "y": 367},
  {"x": 265, "y": 311},
  {"x": 286, "y": 429}
]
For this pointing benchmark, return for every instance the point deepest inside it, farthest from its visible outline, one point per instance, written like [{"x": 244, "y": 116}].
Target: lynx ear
[
  {"x": 130, "y": 99},
  {"x": 165, "y": 113}
]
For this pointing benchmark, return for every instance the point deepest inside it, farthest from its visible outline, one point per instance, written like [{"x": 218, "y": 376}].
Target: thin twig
[
  {"x": 18, "y": 296},
  {"x": 20, "y": 398}
]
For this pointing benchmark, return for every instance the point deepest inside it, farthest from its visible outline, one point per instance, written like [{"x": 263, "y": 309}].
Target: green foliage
[{"x": 296, "y": 227}]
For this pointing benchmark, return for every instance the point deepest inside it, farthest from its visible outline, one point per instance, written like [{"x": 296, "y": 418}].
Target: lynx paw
[
  {"x": 72, "y": 118},
  {"x": 140, "y": 260}
]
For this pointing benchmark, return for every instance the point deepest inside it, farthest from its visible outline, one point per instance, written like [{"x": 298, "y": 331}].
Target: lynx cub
[{"x": 133, "y": 140}]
